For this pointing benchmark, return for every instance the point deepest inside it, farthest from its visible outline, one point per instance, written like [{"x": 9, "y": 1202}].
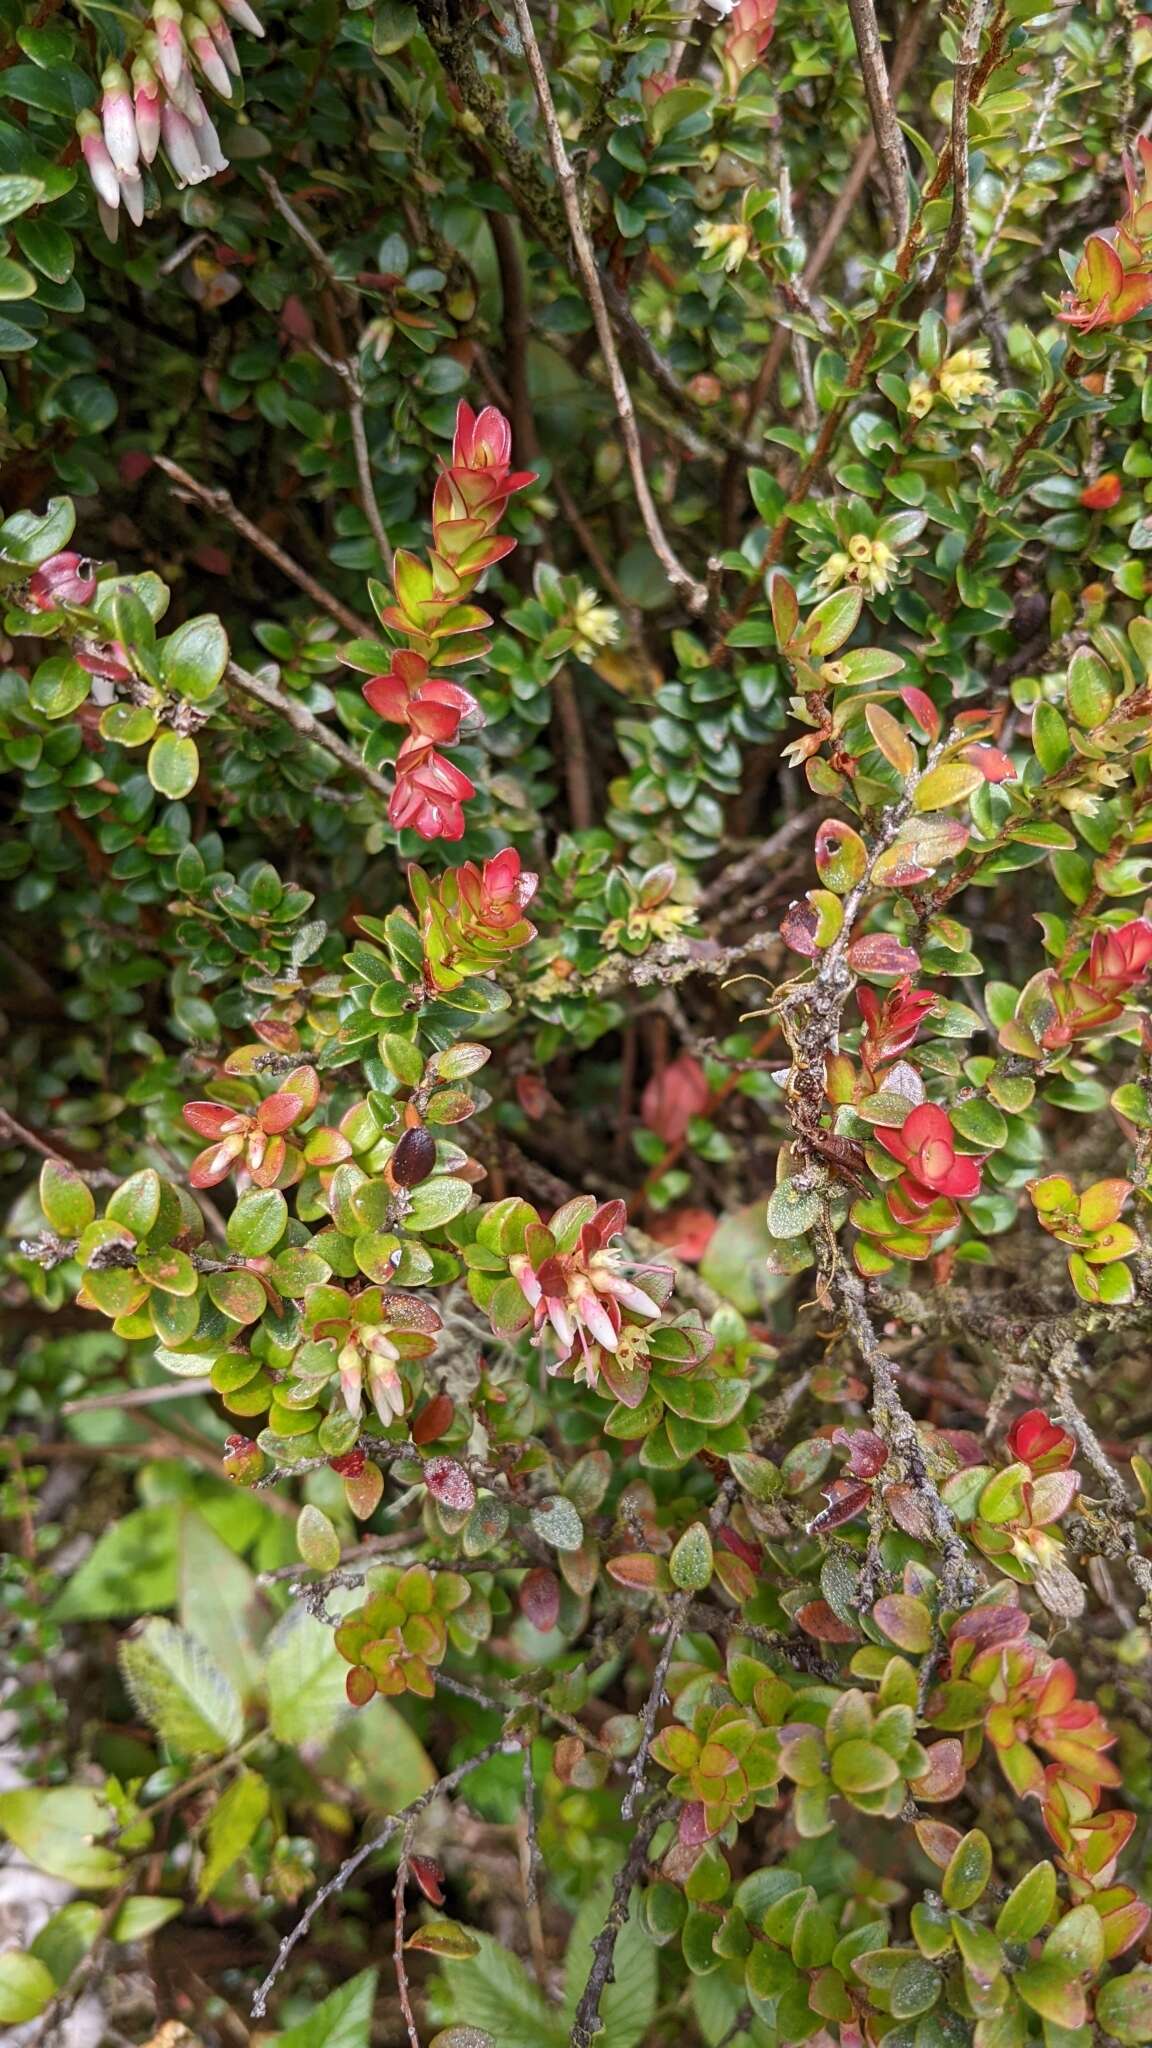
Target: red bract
[
  {"x": 747, "y": 36},
  {"x": 252, "y": 1136},
  {"x": 1120, "y": 958},
  {"x": 1110, "y": 285},
  {"x": 925, "y": 1148},
  {"x": 673, "y": 1097},
  {"x": 891, "y": 1022},
  {"x": 429, "y": 792},
  {"x": 428, "y": 705},
  {"x": 62, "y": 579},
  {"x": 1034, "y": 1441}
]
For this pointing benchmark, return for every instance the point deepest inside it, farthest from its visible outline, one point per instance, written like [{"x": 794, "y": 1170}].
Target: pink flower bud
[
  {"x": 208, "y": 56},
  {"x": 132, "y": 193},
  {"x": 221, "y": 34},
  {"x": 119, "y": 119},
  {"x": 171, "y": 55},
  {"x": 147, "y": 107},
  {"x": 241, "y": 12},
  {"x": 208, "y": 143},
  {"x": 101, "y": 168}
]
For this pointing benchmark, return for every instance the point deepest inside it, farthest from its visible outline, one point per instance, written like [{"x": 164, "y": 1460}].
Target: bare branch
[
  {"x": 216, "y": 499},
  {"x": 696, "y": 594},
  {"x": 307, "y": 725},
  {"x": 352, "y": 1864},
  {"x": 963, "y": 78},
  {"x": 881, "y": 106},
  {"x": 586, "y": 2024}
]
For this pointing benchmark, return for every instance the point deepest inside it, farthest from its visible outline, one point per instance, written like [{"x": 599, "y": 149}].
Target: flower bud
[
  {"x": 101, "y": 168},
  {"x": 241, "y": 12},
  {"x": 146, "y": 99},
  {"x": 119, "y": 118},
  {"x": 207, "y": 56},
  {"x": 171, "y": 54}
]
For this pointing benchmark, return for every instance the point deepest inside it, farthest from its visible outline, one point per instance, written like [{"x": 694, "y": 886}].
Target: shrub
[{"x": 578, "y": 1111}]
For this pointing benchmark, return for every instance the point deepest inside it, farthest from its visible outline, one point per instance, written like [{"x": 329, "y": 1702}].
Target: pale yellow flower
[
  {"x": 595, "y": 625},
  {"x": 730, "y": 240},
  {"x": 964, "y": 376}
]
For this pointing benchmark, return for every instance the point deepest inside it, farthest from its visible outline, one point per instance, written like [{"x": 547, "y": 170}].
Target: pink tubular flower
[
  {"x": 220, "y": 33},
  {"x": 428, "y": 705},
  {"x": 62, "y": 579},
  {"x": 119, "y": 118},
  {"x": 171, "y": 54},
  {"x": 580, "y": 1294},
  {"x": 146, "y": 103},
  {"x": 241, "y": 12},
  {"x": 429, "y": 792},
  {"x": 100, "y": 166},
  {"x": 203, "y": 47},
  {"x": 925, "y": 1147}
]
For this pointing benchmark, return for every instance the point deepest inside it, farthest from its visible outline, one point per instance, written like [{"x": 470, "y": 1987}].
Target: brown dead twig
[
  {"x": 694, "y": 593},
  {"x": 882, "y": 108}
]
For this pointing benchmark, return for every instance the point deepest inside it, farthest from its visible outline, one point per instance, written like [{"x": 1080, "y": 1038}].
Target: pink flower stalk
[
  {"x": 580, "y": 1294},
  {"x": 119, "y": 118},
  {"x": 241, "y": 12},
  {"x": 429, "y": 792},
  {"x": 208, "y": 57},
  {"x": 100, "y": 166},
  {"x": 146, "y": 101},
  {"x": 220, "y": 33},
  {"x": 62, "y": 579}
]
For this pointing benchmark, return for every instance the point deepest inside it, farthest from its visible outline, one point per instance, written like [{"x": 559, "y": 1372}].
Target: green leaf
[
  {"x": 950, "y": 783},
  {"x": 58, "y": 686},
  {"x": 305, "y": 1678},
  {"x": 316, "y": 1539},
  {"x": 691, "y": 1561},
  {"x": 136, "y": 1202},
  {"x": 556, "y": 1521},
  {"x": 1030, "y": 1906},
  {"x": 15, "y": 281},
  {"x": 494, "y": 1992},
  {"x": 26, "y": 1987},
  {"x": 138, "y": 1918},
  {"x": 66, "y": 1938},
  {"x": 193, "y": 660},
  {"x": 181, "y": 1690},
  {"x": 445, "y": 1938},
  {"x": 257, "y": 1223},
  {"x": 343, "y": 2020},
  {"x": 436, "y": 1203},
  {"x": 173, "y": 765},
  {"x": 1050, "y": 740},
  {"x": 219, "y": 1602},
  {"x": 57, "y": 1830},
  {"x": 234, "y": 1821},
  {"x": 132, "y": 1569},
  {"x": 66, "y": 1199},
  {"x": 17, "y": 194},
  {"x": 968, "y": 1872},
  {"x": 1124, "y": 2007},
  {"x": 29, "y": 538}
]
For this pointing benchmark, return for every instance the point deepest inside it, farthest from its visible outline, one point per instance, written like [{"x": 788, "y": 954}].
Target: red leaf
[
  {"x": 539, "y": 1598},
  {"x": 434, "y": 1418},
  {"x": 428, "y": 1876},
  {"x": 817, "y": 1619}
]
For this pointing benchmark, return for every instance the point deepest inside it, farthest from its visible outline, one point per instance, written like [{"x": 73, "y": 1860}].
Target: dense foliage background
[{"x": 576, "y": 1113}]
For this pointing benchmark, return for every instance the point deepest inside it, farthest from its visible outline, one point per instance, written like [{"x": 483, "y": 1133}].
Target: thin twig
[
  {"x": 22, "y": 1134},
  {"x": 967, "y": 57},
  {"x": 352, "y": 1864},
  {"x": 881, "y": 107},
  {"x": 216, "y": 499},
  {"x": 402, "y": 1985},
  {"x": 695, "y": 593},
  {"x": 139, "y": 1397},
  {"x": 308, "y": 726},
  {"x": 586, "y": 2023}
]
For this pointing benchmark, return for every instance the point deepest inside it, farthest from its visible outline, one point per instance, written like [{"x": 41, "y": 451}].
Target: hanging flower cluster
[
  {"x": 432, "y": 613},
  {"x": 158, "y": 104}
]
